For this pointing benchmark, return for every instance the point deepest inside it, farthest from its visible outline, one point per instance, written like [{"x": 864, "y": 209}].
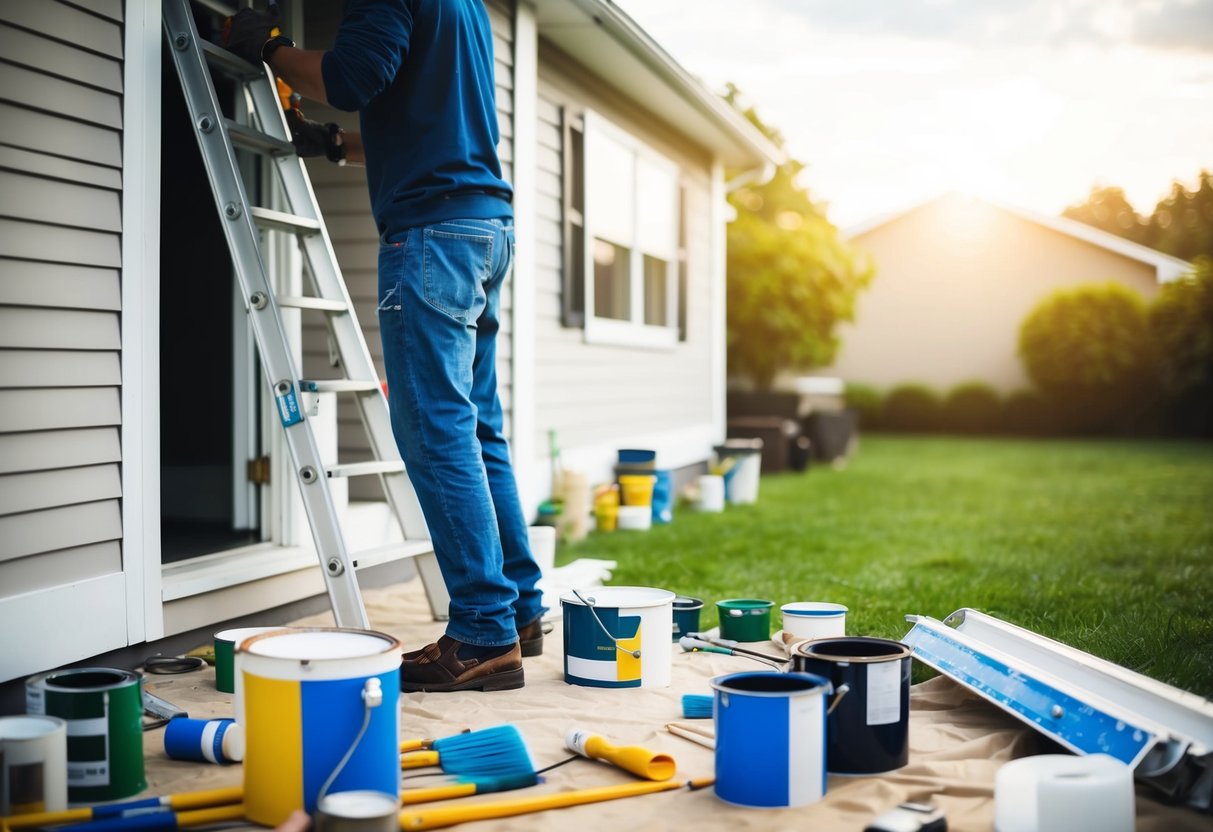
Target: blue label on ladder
[
  {"x": 288, "y": 407},
  {"x": 1078, "y": 725}
]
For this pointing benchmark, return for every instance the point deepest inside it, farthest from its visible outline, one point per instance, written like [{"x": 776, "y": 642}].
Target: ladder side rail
[{"x": 242, "y": 236}]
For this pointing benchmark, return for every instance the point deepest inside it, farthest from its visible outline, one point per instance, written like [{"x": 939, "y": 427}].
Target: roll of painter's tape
[
  {"x": 103, "y": 708},
  {"x": 33, "y": 764},
  {"x": 218, "y": 741}
]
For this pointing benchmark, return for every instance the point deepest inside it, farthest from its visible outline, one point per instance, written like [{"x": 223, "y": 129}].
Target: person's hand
[
  {"x": 311, "y": 138},
  {"x": 298, "y": 821},
  {"x": 247, "y": 33}
]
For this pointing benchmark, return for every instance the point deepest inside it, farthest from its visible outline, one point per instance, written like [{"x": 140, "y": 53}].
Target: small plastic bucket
[
  {"x": 711, "y": 493},
  {"x": 618, "y": 637},
  {"x": 637, "y": 489},
  {"x": 814, "y": 619},
  {"x": 745, "y": 619},
  {"x": 686, "y": 615}
]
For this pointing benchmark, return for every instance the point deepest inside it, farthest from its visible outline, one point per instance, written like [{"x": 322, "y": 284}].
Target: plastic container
[
  {"x": 637, "y": 490},
  {"x": 686, "y": 615},
  {"x": 618, "y": 637},
  {"x": 745, "y": 468},
  {"x": 711, "y": 494},
  {"x": 814, "y": 619},
  {"x": 745, "y": 619},
  {"x": 634, "y": 518}
]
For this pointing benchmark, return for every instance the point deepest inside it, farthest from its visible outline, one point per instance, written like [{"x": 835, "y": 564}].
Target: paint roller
[{"x": 633, "y": 758}]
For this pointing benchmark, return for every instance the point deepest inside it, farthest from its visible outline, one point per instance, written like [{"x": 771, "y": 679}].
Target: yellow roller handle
[
  {"x": 209, "y": 797},
  {"x": 184, "y": 800},
  {"x": 215, "y": 814},
  {"x": 410, "y": 796},
  {"x": 34, "y": 819},
  {"x": 442, "y": 816},
  {"x": 419, "y": 759}
]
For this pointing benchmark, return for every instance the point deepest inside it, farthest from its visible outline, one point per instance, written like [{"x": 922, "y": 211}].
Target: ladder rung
[
  {"x": 391, "y": 551},
  {"x": 255, "y": 140},
  {"x": 282, "y": 221},
  {"x": 362, "y": 469},
  {"x": 228, "y": 62},
  {"x": 337, "y": 385},
  {"x": 299, "y": 302}
]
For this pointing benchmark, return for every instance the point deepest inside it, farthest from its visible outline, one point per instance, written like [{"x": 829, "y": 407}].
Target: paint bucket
[
  {"x": 869, "y": 729},
  {"x": 225, "y": 653},
  {"x": 663, "y": 497},
  {"x": 634, "y": 518},
  {"x": 103, "y": 708},
  {"x": 311, "y": 698},
  {"x": 744, "y": 470},
  {"x": 770, "y": 738},
  {"x": 618, "y": 637},
  {"x": 358, "y": 811},
  {"x": 637, "y": 458},
  {"x": 542, "y": 540},
  {"x": 204, "y": 740},
  {"x": 745, "y": 619},
  {"x": 814, "y": 619},
  {"x": 33, "y": 764},
  {"x": 686, "y": 616},
  {"x": 637, "y": 490},
  {"x": 711, "y": 493}
]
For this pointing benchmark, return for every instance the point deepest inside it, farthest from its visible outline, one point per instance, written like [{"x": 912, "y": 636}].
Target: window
[{"x": 622, "y": 237}]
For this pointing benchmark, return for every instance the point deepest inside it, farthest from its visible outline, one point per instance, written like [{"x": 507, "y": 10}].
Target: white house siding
[
  {"x": 60, "y": 241},
  {"x": 343, "y": 198},
  {"x": 598, "y": 397}
]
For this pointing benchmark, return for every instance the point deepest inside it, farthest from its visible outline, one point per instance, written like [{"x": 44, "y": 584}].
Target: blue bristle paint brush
[
  {"x": 696, "y": 706},
  {"x": 492, "y": 752}
]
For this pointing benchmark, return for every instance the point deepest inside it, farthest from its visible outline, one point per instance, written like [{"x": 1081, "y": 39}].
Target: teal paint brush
[
  {"x": 696, "y": 706},
  {"x": 492, "y": 752}
]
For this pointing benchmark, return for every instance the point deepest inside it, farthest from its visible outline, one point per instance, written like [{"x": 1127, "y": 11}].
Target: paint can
[
  {"x": 686, "y": 616},
  {"x": 745, "y": 619},
  {"x": 312, "y": 698},
  {"x": 814, "y": 619},
  {"x": 634, "y": 518},
  {"x": 218, "y": 741},
  {"x": 225, "y": 654},
  {"x": 770, "y": 738},
  {"x": 618, "y": 637},
  {"x": 711, "y": 494},
  {"x": 33, "y": 764},
  {"x": 358, "y": 811},
  {"x": 103, "y": 708},
  {"x": 637, "y": 489},
  {"x": 869, "y": 727}
]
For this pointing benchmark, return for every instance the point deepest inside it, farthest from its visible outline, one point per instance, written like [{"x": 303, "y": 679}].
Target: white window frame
[{"x": 633, "y": 332}]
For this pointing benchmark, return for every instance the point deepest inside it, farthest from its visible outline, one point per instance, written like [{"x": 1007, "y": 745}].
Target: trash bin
[{"x": 741, "y": 481}]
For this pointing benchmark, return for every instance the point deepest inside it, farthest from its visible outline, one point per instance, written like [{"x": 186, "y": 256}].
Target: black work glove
[
  {"x": 311, "y": 138},
  {"x": 249, "y": 32}
]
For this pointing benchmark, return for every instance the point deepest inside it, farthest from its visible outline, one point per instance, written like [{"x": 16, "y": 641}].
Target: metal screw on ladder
[
  {"x": 335, "y": 566},
  {"x": 307, "y": 475},
  {"x": 205, "y": 123},
  {"x": 258, "y": 300},
  {"x": 232, "y": 210},
  {"x": 1057, "y": 712},
  {"x": 181, "y": 41}
]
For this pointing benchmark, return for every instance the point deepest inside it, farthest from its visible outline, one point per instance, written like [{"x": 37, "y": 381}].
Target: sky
[{"x": 1030, "y": 102}]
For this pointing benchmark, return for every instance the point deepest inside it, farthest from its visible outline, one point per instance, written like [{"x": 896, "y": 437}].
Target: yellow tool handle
[
  {"x": 415, "y": 745},
  {"x": 410, "y": 796},
  {"x": 209, "y": 797},
  {"x": 184, "y": 800},
  {"x": 215, "y": 814},
  {"x": 419, "y": 759},
  {"x": 33, "y": 819},
  {"x": 439, "y": 817}
]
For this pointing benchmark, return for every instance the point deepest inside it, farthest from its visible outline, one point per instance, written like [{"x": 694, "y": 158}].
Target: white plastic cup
[
  {"x": 33, "y": 764},
  {"x": 814, "y": 619},
  {"x": 543, "y": 547},
  {"x": 711, "y": 493}
]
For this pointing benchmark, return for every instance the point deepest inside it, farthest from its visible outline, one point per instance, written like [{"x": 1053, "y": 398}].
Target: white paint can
[{"x": 33, "y": 764}]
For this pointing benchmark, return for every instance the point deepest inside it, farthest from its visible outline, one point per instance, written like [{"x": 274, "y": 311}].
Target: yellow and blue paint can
[{"x": 618, "y": 637}]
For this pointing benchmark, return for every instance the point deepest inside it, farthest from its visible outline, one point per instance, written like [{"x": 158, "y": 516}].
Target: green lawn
[{"x": 1104, "y": 545}]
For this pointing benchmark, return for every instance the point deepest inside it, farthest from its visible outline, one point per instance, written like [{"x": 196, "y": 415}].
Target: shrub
[
  {"x": 972, "y": 407},
  {"x": 1088, "y": 350},
  {"x": 912, "y": 407},
  {"x": 866, "y": 401},
  {"x": 1027, "y": 413},
  {"x": 1181, "y": 326}
]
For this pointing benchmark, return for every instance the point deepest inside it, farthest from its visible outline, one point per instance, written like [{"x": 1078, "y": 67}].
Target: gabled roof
[
  {"x": 598, "y": 35},
  {"x": 1167, "y": 267}
]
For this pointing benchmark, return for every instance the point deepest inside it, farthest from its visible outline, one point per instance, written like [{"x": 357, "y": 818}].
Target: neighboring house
[
  {"x": 955, "y": 278},
  {"x": 130, "y": 399}
]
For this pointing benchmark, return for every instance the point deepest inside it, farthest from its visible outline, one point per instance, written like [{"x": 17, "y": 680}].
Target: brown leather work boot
[
  {"x": 530, "y": 638},
  {"x": 437, "y": 667}
]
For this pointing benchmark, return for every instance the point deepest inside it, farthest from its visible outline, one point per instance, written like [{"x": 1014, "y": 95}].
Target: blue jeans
[{"x": 439, "y": 314}]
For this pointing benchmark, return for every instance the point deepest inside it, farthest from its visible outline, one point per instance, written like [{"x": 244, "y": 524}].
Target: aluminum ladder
[{"x": 269, "y": 138}]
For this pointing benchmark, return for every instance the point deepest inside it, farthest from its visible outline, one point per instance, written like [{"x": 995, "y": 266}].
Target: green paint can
[
  {"x": 226, "y": 643},
  {"x": 745, "y": 619},
  {"x": 103, "y": 708}
]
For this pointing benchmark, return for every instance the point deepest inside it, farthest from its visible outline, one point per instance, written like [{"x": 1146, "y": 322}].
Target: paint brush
[
  {"x": 694, "y": 643},
  {"x": 696, "y": 706},
  {"x": 468, "y": 786},
  {"x": 439, "y": 817},
  {"x": 492, "y": 752},
  {"x": 167, "y": 803},
  {"x": 164, "y": 820}
]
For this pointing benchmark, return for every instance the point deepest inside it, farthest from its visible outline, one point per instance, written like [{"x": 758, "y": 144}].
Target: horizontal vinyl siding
[
  {"x": 345, "y": 205},
  {"x": 591, "y": 393},
  {"x": 60, "y": 337}
]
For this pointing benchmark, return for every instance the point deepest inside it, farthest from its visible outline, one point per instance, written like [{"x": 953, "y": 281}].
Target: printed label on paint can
[{"x": 884, "y": 693}]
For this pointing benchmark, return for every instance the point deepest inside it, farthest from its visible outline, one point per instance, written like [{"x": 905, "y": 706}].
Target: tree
[
  {"x": 1181, "y": 325},
  {"x": 791, "y": 278},
  {"x": 1108, "y": 208}
]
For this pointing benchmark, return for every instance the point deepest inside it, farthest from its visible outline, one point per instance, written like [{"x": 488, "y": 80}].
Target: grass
[{"x": 1101, "y": 544}]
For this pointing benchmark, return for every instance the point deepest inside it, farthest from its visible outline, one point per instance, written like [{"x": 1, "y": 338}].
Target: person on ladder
[{"x": 420, "y": 75}]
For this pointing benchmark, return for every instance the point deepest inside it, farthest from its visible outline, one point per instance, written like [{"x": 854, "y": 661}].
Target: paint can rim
[
  {"x": 814, "y": 684},
  {"x": 808, "y": 649}
]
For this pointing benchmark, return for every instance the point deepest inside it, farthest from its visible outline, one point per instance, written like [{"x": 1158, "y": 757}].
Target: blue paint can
[{"x": 770, "y": 738}]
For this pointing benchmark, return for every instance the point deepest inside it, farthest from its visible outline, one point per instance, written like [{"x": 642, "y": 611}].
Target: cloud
[{"x": 1177, "y": 25}]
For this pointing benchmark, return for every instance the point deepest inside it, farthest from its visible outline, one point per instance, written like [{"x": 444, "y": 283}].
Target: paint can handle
[{"x": 842, "y": 691}]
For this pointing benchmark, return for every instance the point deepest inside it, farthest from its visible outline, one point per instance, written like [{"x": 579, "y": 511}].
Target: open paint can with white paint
[{"x": 869, "y": 721}]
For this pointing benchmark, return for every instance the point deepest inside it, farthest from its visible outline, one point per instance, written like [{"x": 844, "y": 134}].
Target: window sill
[{"x": 610, "y": 332}]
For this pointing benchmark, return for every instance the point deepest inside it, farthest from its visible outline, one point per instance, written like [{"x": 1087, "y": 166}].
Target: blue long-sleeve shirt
[{"x": 420, "y": 75}]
